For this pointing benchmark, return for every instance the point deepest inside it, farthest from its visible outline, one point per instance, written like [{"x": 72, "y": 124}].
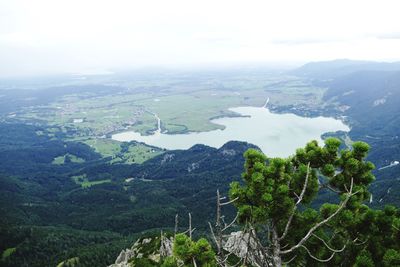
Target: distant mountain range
[{"x": 331, "y": 69}]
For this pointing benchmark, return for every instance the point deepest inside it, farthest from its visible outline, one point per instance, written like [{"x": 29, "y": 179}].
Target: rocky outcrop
[
  {"x": 150, "y": 248},
  {"x": 123, "y": 258},
  {"x": 154, "y": 248},
  {"x": 243, "y": 245}
]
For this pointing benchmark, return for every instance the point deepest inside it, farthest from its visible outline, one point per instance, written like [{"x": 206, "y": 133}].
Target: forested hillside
[
  {"x": 44, "y": 204},
  {"x": 368, "y": 95}
]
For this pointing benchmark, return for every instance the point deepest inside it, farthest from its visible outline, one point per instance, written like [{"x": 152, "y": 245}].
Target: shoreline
[{"x": 275, "y": 110}]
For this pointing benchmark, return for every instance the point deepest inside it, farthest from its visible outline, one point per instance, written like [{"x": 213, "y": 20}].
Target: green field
[
  {"x": 83, "y": 181},
  {"x": 182, "y": 107},
  {"x": 184, "y": 104},
  {"x": 68, "y": 157},
  {"x": 123, "y": 152},
  {"x": 7, "y": 253}
]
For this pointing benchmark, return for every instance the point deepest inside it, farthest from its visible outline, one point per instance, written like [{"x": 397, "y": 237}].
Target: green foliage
[
  {"x": 364, "y": 260},
  {"x": 187, "y": 251},
  {"x": 145, "y": 262},
  {"x": 7, "y": 253},
  {"x": 50, "y": 246},
  {"x": 391, "y": 258},
  {"x": 273, "y": 186},
  {"x": 169, "y": 262},
  {"x": 377, "y": 228},
  {"x": 73, "y": 262}
]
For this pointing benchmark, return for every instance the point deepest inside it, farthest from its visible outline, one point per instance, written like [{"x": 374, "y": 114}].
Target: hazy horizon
[{"x": 57, "y": 37}]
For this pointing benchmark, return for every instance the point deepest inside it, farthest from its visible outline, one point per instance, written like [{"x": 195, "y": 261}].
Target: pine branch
[
  {"x": 315, "y": 227},
  {"x": 299, "y": 199}
]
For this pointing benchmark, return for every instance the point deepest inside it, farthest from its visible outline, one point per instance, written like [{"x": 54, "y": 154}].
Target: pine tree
[{"x": 274, "y": 200}]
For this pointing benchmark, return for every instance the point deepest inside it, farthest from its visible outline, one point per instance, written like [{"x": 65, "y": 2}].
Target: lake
[{"x": 277, "y": 135}]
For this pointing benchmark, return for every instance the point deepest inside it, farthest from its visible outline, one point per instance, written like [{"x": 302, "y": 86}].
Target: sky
[{"x": 71, "y": 36}]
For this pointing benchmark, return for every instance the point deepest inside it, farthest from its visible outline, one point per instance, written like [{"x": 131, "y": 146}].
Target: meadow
[
  {"x": 184, "y": 105},
  {"x": 183, "y": 102}
]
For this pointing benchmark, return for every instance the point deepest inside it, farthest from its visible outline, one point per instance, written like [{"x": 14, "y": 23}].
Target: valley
[
  {"x": 199, "y": 133},
  {"x": 185, "y": 102},
  {"x": 63, "y": 177}
]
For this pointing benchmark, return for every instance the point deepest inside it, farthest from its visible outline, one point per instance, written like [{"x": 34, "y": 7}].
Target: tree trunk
[{"x": 276, "y": 257}]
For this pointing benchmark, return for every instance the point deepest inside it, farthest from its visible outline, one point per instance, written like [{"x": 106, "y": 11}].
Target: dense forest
[{"x": 43, "y": 207}]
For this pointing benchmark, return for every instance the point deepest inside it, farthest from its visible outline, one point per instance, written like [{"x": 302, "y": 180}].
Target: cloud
[
  {"x": 305, "y": 41},
  {"x": 47, "y": 35},
  {"x": 385, "y": 36}
]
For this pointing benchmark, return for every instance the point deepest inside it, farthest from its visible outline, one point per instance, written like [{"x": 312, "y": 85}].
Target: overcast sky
[{"x": 51, "y": 36}]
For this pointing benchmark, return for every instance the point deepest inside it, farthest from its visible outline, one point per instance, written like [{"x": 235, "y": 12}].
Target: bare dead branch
[
  {"x": 299, "y": 199},
  {"x": 223, "y": 220},
  {"x": 317, "y": 259},
  {"x": 188, "y": 231},
  {"x": 190, "y": 226},
  {"x": 176, "y": 225},
  {"x": 315, "y": 227},
  {"x": 303, "y": 191},
  {"x": 328, "y": 247},
  {"x": 330, "y": 188},
  {"x": 228, "y": 202},
  {"x": 185, "y": 232},
  {"x": 359, "y": 243},
  {"x": 227, "y": 256},
  {"x": 231, "y": 223},
  {"x": 213, "y": 235},
  {"x": 355, "y": 193},
  {"x": 345, "y": 187},
  {"x": 218, "y": 226},
  {"x": 289, "y": 261},
  {"x": 222, "y": 262}
]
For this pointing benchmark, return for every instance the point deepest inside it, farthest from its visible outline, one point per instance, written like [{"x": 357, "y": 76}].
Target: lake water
[{"x": 278, "y": 135}]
